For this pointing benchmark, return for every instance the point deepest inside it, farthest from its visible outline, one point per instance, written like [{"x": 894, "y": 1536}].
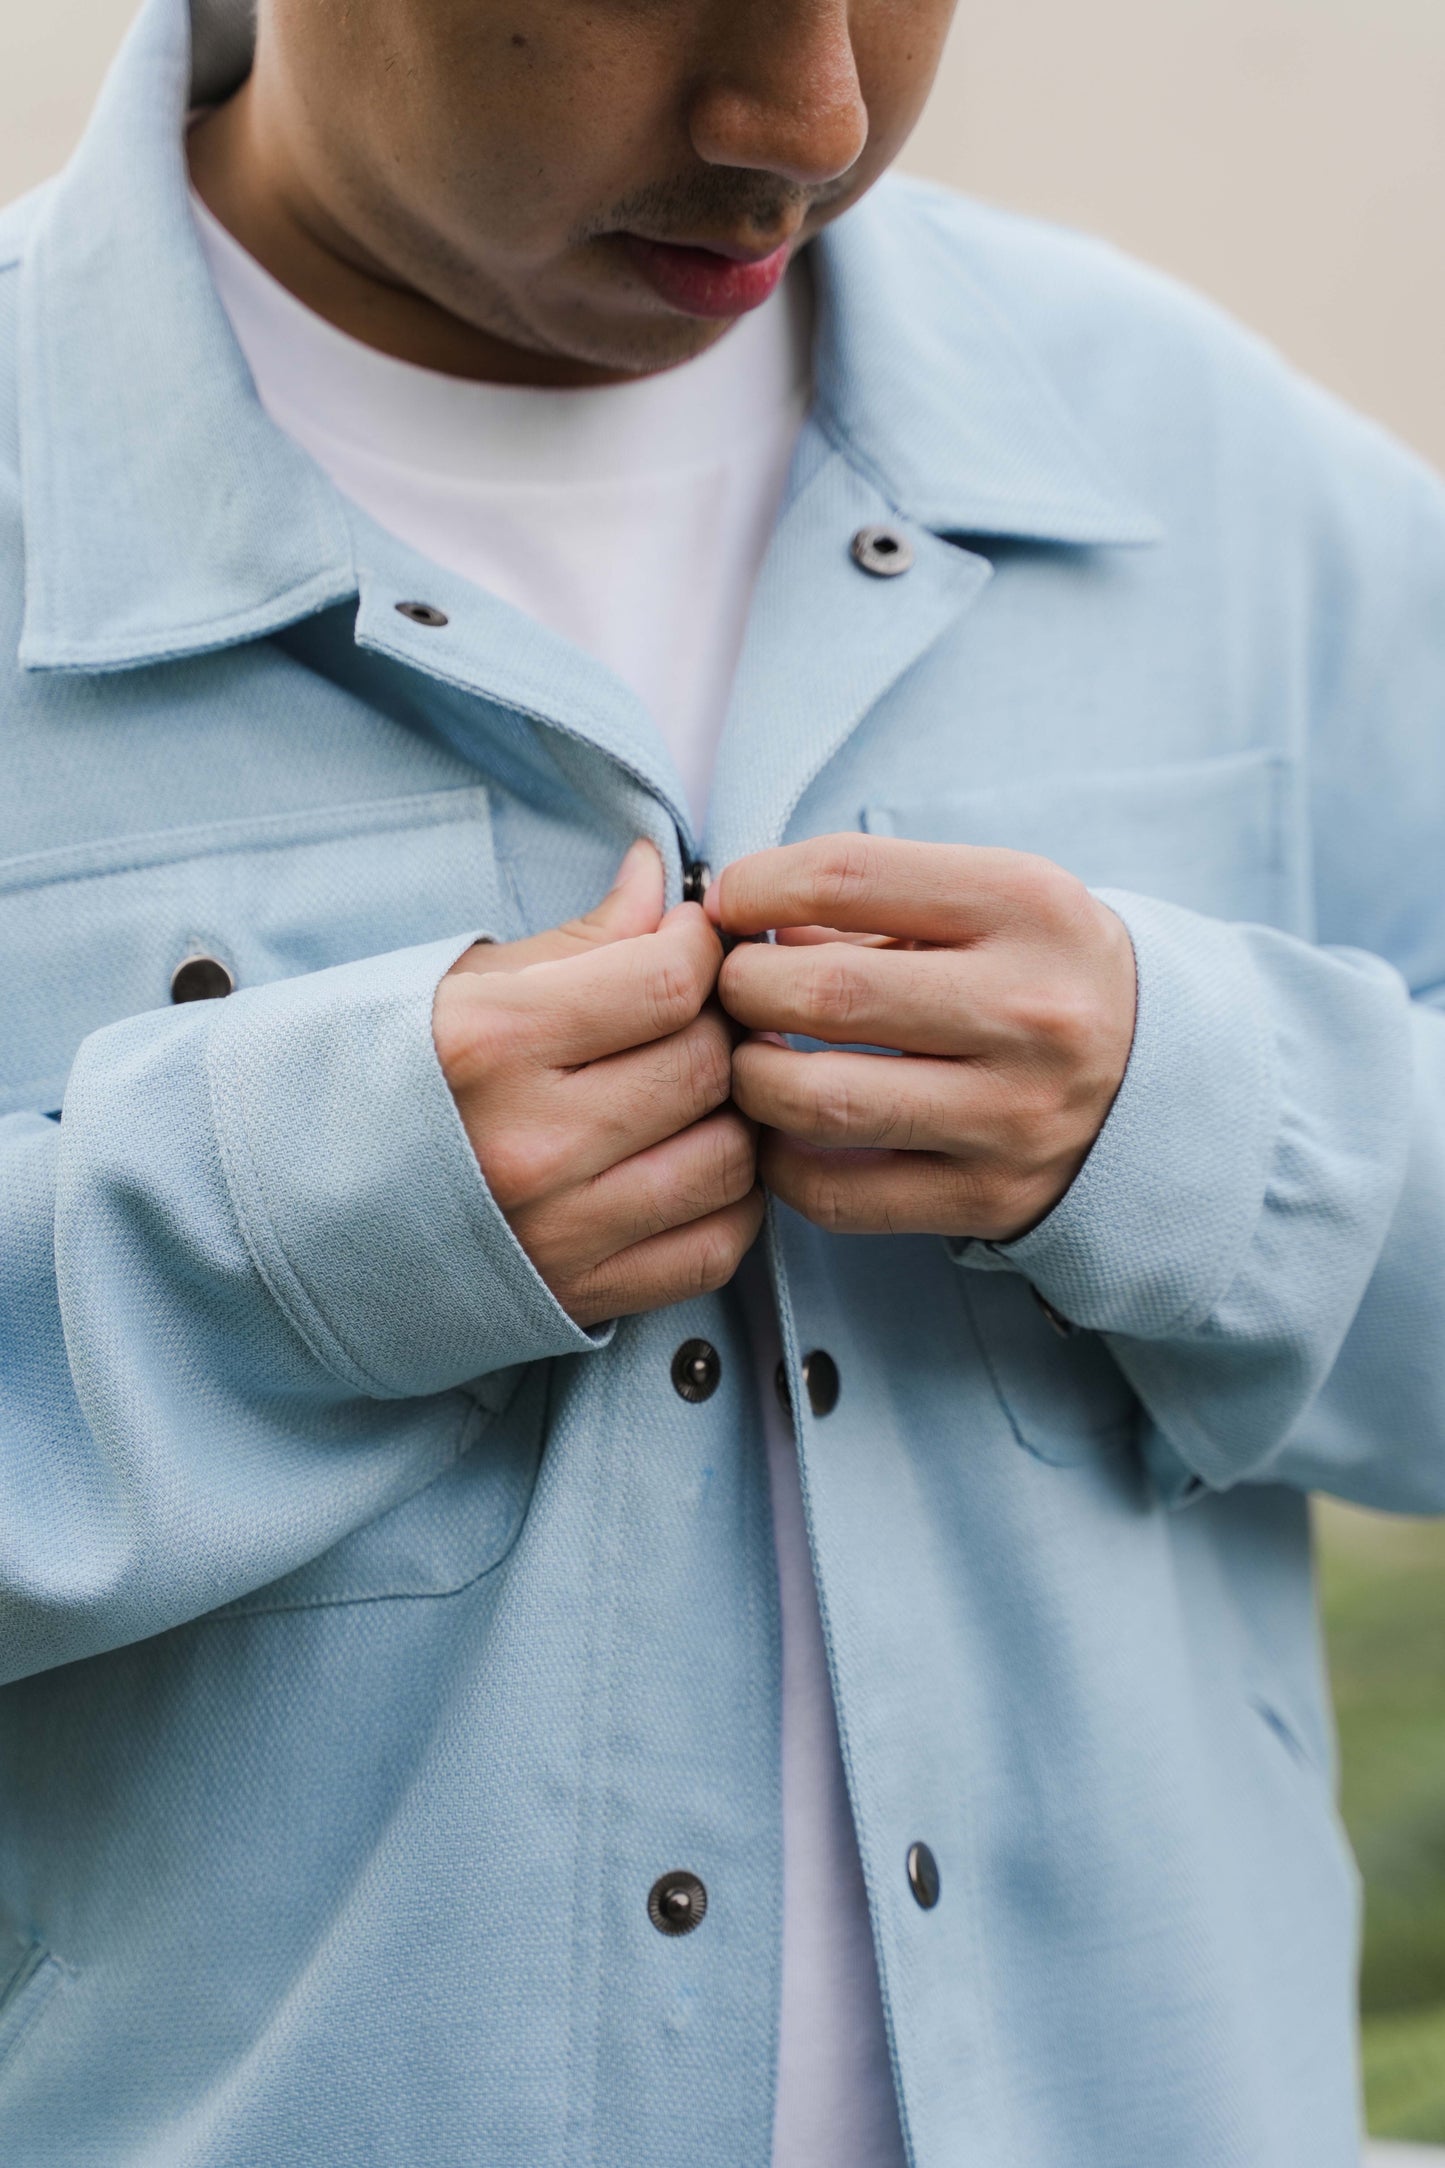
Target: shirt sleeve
[
  {"x": 242, "y": 1286},
  {"x": 1259, "y": 1230}
]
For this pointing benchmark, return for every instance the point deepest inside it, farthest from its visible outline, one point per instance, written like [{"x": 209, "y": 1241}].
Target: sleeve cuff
[
  {"x": 356, "y": 1186},
  {"x": 1152, "y": 1230}
]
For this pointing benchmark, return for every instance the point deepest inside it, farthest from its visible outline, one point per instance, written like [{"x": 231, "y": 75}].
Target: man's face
[{"x": 609, "y": 182}]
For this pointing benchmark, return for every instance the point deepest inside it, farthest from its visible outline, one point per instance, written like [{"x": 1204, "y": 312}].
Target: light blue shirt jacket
[{"x": 374, "y": 1637}]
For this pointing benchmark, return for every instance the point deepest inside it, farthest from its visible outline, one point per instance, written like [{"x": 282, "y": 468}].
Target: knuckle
[
  {"x": 823, "y": 1197},
  {"x": 711, "y": 1258},
  {"x": 607, "y": 1291},
  {"x": 1052, "y": 1016},
  {"x": 844, "y": 1111},
  {"x": 773, "y": 1091},
  {"x": 834, "y": 1107},
  {"x": 1037, "y": 883},
  {"x": 476, "y": 1033},
  {"x": 648, "y": 1206},
  {"x": 520, "y": 1164},
  {"x": 994, "y": 1201},
  {"x": 831, "y": 990},
  {"x": 705, "y": 1063},
  {"x": 672, "y": 994},
  {"x": 736, "y": 1160},
  {"x": 831, "y": 1208},
  {"x": 736, "y": 977},
  {"x": 898, "y": 1128},
  {"x": 1053, "y": 897},
  {"x": 1071, "y": 1020},
  {"x": 841, "y": 870},
  {"x": 456, "y": 1032}
]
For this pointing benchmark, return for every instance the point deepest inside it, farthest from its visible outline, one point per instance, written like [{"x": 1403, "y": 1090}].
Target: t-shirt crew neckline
[{"x": 520, "y": 436}]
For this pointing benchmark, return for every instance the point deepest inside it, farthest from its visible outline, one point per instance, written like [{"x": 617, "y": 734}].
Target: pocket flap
[
  {"x": 93, "y": 934},
  {"x": 1213, "y": 835}
]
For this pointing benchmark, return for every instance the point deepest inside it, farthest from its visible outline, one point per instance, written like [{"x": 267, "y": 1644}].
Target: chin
[{"x": 634, "y": 345}]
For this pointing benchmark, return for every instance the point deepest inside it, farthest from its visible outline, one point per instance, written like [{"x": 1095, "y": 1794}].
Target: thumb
[{"x": 631, "y": 906}]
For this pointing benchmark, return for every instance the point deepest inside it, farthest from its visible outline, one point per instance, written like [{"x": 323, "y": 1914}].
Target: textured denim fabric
[{"x": 373, "y": 1637}]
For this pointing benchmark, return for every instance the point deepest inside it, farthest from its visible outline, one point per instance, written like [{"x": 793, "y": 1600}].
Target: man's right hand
[{"x": 592, "y": 1070}]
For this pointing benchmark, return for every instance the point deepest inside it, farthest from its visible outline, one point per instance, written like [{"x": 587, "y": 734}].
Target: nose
[{"x": 781, "y": 93}]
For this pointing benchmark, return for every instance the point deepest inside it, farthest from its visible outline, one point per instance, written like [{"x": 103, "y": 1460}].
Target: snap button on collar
[
  {"x": 883, "y": 551},
  {"x": 423, "y": 613}
]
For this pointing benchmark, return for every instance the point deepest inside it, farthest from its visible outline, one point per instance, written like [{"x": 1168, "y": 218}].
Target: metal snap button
[
  {"x": 820, "y": 1379},
  {"x": 676, "y": 1903},
  {"x": 923, "y": 1876},
  {"x": 883, "y": 551},
  {"x": 820, "y": 1376},
  {"x": 696, "y": 1369},
  {"x": 201, "y": 978},
  {"x": 423, "y": 613},
  {"x": 696, "y": 880}
]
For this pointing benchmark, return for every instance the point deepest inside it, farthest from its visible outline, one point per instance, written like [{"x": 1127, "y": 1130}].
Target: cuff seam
[{"x": 247, "y": 1193}]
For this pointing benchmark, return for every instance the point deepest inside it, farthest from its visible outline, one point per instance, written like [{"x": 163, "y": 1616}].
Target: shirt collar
[
  {"x": 925, "y": 386},
  {"x": 166, "y": 515}
]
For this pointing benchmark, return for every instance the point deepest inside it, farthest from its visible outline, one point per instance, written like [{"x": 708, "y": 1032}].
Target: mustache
[{"x": 713, "y": 200}]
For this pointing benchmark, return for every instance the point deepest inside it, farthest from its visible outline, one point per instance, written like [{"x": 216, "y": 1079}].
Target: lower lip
[{"x": 701, "y": 283}]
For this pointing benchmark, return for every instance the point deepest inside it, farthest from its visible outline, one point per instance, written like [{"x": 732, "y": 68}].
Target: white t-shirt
[{"x": 633, "y": 519}]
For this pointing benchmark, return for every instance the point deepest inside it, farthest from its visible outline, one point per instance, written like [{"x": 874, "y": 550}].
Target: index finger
[
  {"x": 938, "y": 892},
  {"x": 580, "y": 1009}
]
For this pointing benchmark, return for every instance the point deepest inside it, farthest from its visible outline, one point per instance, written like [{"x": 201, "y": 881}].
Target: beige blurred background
[{"x": 1288, "y": 156}]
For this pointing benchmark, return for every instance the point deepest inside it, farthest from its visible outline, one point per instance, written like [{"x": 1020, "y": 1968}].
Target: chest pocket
[
  {"x": 92, "y": 934},
  {"x": 447, "y": 1535},
  {"x": 95, "y": 933},
  {"x": 1066, "y": 1399},
  {"x": 1218, "y": 836}
]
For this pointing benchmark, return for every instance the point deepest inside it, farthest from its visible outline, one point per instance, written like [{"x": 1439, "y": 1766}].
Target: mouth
[{"x": 707, "y": 281}]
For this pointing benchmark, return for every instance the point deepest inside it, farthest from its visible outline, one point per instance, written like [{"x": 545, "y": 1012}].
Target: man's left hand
[{"x": 1007, "y": 989}]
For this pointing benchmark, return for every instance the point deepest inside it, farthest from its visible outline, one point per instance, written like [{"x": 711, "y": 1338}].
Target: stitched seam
[
  {"x": 462, "y": 684},
  {"x": 243, "y": 1608},
  {"x": 584, "y": 2032},
  {"x": 177, "y": 640},
  {"x": 239, "y": 1170},
  {"x": 872, "y": 1881},
  {"x": 272, "y": 832}
]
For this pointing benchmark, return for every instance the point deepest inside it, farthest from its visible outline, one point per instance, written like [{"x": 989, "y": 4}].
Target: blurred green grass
[{"x": 1382, "y": 1585}]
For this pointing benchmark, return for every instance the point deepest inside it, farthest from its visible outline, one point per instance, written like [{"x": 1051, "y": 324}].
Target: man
[{"x": 446, "y": 451}]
